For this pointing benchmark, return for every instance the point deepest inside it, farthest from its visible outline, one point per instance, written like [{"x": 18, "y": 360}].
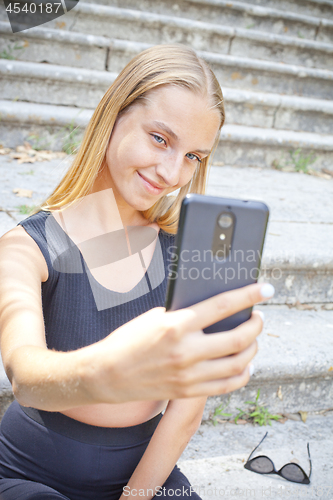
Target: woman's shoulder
[
  {"x": 22, "y": 243},
  {"x": 37, "y": 219}
]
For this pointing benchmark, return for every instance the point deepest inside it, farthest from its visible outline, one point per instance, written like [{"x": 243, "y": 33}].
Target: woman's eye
[
  {"x": 158, "y": 139},
  {"x": 194, "y": 157}
]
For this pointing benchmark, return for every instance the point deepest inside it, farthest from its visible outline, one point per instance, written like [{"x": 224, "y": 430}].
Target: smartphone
[{"x": 218, "y": 247}]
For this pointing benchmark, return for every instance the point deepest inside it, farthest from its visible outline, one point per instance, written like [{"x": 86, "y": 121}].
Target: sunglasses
[{"x": 264, "y": 465}]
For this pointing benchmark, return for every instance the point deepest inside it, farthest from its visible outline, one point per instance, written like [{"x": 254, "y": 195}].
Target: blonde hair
[{"x": 156, "y": 66}]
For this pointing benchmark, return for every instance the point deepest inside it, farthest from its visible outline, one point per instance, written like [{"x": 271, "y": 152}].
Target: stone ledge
[
  {"x": 57, "y": 35},
  {"x": 22, "y": 112},
  {"x": 234, "y": 72},
  {"x": 294, "y": 354},
  {"x": 313, "y": 53},
  {"x": 281, "y": 138},
  {"x": 210, "y": 9}
]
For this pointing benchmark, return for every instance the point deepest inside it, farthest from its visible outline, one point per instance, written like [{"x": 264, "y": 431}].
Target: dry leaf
[
  {"x": 272, "y": 335},
  {"x": 330, "y": 369},
  {"x": 4, "y": 151},
  {"x": 292, "y": 416},
  {"x": 304, "y": 307},
  {"x": 328, "y": 172},
  {"x": 23, "y": 158},
  {"x": 319, "y": 174},
  {"x": 282, "y": 420},
  {"x": 241, "y": 421},
  {"x": 304, "y": 415},
  {"x": 279, "y": 393},
  {"x": 26, "y": 154},
  {"x": 23, "y": 193}
]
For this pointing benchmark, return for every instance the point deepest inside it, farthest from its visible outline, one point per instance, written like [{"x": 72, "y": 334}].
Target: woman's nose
[{"x": 169, "y": 169}]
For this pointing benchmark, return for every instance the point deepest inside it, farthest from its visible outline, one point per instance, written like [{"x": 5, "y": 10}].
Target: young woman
[{"x": 92, "y": 355}]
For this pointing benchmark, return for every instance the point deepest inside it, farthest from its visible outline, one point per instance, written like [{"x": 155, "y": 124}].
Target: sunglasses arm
[
  {"x": 309, "y": 461},
  {"x": 258, "y": 447}
]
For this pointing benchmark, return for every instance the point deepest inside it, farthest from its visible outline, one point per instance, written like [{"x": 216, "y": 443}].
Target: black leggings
[{"x": 39, "y": 462}]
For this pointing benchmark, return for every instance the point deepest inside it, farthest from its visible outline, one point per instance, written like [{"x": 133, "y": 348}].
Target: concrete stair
[
  {"x": 286, "y": 17},
  {"x": 274, "y": 62}
]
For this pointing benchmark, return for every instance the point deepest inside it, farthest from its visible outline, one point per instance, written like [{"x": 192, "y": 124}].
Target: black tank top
[{"x": 77, "y": 309}]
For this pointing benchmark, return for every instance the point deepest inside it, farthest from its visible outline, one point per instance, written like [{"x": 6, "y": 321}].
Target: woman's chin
[{"x": 142, "y": 205}]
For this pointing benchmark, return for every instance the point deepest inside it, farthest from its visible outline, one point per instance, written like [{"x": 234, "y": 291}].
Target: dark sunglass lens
[
  {"x": 293, "y": 473},
  {"x": 263, "y": 465}
]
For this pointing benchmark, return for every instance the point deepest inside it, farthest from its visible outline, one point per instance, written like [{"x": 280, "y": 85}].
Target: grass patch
[
  {"x": 297, "y": 161},
  {"x": 71, "y": 141},
  {"x": 255, "y": 413},
  {"x": 9, "y": 53},
  {"x": 25, "y": 209},
  {"x": 38, "y": 143}
]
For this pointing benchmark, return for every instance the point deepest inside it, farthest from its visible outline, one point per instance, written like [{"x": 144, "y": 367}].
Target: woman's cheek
[{"x": 186, "y": 175}]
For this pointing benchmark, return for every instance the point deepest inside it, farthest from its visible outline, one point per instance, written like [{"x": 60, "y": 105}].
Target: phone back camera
[{"x": 224, "y": 230}]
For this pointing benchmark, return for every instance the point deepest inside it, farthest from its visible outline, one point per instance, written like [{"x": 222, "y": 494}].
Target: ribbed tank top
[{"x": 78, "y": 310}]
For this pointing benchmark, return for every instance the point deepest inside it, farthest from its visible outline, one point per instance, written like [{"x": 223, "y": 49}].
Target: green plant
[
  {"x": 296, "y": 162},
  {"x": 71, "y": 140},
  {"x": 38, "y": 143},
  {"x": 300, "y": 161},
  {"x": 25, "y": 209},
  {"x": 9, "y": 52},
  {"x": 257, "y": 413},
  {"x": 219, "y": 412}
]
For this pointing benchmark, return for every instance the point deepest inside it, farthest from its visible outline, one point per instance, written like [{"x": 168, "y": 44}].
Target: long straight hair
[{"x": 159, "y": 65}]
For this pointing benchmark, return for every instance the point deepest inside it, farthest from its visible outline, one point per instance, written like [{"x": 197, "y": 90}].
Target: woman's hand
[{"x": 165, "y": 355}]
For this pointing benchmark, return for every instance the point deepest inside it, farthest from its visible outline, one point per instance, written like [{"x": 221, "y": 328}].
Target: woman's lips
[{"x": 149, "y": 187}]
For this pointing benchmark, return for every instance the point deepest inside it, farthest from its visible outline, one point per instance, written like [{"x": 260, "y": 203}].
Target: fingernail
[
  {"x": 251, "y": 369},
  {"x": 261, "y": 314},
  {"x": 267, "y": 290}
]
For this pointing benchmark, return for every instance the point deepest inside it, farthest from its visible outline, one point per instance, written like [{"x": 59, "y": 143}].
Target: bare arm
[
  {"x": 179, "y": 422},
  {"x": 158, "y": 355}
]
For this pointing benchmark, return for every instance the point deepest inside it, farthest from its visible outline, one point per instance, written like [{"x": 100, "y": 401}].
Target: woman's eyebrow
[{"x": 168, "y": 130}]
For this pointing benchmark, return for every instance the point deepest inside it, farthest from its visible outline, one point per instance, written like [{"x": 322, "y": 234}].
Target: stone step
[
  {"x": 320, "y": 9},
  {"x": 215, "y": 457},
  {"x": 20, "y": 80},
  {"x": 265, "y": 76},
  {"x": 239, "y": 145},
  {"x": 267, "y": 110},
  {"x": 152, "y": 28},
  {"x": 233, "y": 72},
  {"x": 237, "y": 13},
  {"x": 53, "y": 84},
  {"x": 294, "y": 355},
  {"x": 317, "y": 8},
  {"x": 260, "y": 147},
  {"x": 68, "y": 48},
  {"x": 301, "y": 272},
  {"x": 293, "y": 366}
]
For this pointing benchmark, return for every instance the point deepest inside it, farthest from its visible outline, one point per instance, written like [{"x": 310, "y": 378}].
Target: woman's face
[{"x": 157, "y": 144}]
